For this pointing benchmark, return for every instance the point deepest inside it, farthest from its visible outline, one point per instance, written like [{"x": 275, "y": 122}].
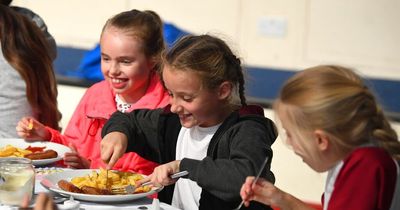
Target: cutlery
[
  {"x": 254, "y": 180},
  {"x": 129, "y": 189},
  {"x": 107, "y": 178},
  {"x": 2, "y": 180}
]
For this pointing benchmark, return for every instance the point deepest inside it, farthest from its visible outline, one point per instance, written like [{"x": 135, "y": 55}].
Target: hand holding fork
[{"x": 255, "y": 180}]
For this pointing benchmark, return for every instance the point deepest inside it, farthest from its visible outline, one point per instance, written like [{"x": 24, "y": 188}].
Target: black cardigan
[{"x": 236, "y": 151}]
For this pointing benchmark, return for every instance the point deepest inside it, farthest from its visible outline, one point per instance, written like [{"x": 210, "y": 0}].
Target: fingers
[
  {"x": 25, "y": 201},
  {"x": 44, "y": 202},
  {"x": 161, "y": 174},
  {"x": 246, "y": 192},
  {"x": 24, "y": 127},
  {"x": 72, "y": 147},
  {"x": 74, "y": 160},
  {"x": 31, "y": 129},
  {"x": 113, "y": 146}
]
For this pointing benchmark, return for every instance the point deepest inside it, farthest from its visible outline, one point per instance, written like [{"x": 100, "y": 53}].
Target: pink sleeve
[
  {"x": 56, "y": 136},
  {"x": 76, "y": 128}
]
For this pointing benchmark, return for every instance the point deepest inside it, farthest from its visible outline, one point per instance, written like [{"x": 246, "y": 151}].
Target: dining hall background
[{"x": 275, "y": 38}]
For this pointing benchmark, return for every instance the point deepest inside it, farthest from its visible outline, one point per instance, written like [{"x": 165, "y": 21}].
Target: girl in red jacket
[
  {"x": 131, "y": 45},
  {"x": 334, "y": 124}
]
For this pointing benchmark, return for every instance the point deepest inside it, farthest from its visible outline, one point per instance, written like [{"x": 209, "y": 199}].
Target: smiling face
[
  {"x": 124, "y": 64},
  {"x": 195, "y": 104}
]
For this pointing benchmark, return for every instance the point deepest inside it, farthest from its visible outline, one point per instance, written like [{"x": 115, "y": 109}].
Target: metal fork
[
  {"x": 2, "y": 180},
  {"x": 107, "y": 178},
  {"x": 254, "y": 180},
  {"x": 129, "y": 189}
]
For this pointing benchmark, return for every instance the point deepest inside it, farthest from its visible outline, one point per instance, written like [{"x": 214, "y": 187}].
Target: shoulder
[
  {"x": 373, "y": 158},
  {"x": 253, "y": 115},
  {"x": 101, "y": 87}
]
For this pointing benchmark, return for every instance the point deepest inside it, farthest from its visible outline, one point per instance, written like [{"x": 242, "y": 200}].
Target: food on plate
[
  {"x": 35, "y": 149},
  {"x": 95, "y": 191},
  {"x": 11, "y": 151},
  {"x": 33, "y": 153},
  {"x": 68, "y": 186},
  {"x": 96, "y": 182},
  {"x": 42, "y": 155}
]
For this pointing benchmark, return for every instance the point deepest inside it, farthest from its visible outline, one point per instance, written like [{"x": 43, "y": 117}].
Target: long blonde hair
[{"x": 336, "y": 100}]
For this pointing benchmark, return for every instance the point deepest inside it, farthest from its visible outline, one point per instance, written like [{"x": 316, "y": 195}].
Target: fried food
[
  {"x": 33, "y": 153},
  {"x": 11, "y": 151},
  {"x": 95, "y": 191},
  {"x": 42, "y": 155},
  {"x": 95, "y": 182},
  {"x": 68, "y": 186}
]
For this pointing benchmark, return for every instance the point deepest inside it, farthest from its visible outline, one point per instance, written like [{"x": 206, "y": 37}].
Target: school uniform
[{"x": 365, "y": 179}]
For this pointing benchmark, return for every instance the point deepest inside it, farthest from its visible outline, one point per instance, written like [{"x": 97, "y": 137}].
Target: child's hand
[
  {"x": 262, "y": 191},
  {"x": 74, "y": 160},
  {"x": 113, "y": 146},
  {"x": 161, "y": 174},
  {"x": 43, "y": 202},
  {"x": 31, "y": 129}
]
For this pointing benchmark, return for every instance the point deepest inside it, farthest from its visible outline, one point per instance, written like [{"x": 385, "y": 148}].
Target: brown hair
[
  {"x": 144, "y": 25},
  {"x": 213, "y": 60},
  {"x": 336, "y": 100},
  {"x": 26, "y": 49}
]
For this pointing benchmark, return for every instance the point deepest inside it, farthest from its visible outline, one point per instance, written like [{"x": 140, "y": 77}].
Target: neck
[{"x": 135, "y": 95}]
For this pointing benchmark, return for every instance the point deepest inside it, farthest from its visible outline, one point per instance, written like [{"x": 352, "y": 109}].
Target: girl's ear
[
  {"x": 322, "y": 140},
  {"x": 224, "y": 90}
]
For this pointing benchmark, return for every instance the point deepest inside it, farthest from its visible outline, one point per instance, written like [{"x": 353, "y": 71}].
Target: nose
[
  {"x": 175, "y": 107},
  {"x": 114, "y": 69}
]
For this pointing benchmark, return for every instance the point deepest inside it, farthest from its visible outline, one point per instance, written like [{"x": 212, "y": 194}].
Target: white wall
[{"x": 288, "y": 34}]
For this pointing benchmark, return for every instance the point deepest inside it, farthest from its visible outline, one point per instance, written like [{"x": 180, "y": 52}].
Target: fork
[
  {"x": 130, "y": 189},
  {"x": 2, "y": 180},
  {"x": 254, "y": 180},
  {"x": 107, "y": 178}
]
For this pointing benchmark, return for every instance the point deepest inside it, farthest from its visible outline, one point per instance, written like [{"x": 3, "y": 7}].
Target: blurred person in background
[
  {"x": 39, "y": 22},
  {"x": 27, "y": 85}
]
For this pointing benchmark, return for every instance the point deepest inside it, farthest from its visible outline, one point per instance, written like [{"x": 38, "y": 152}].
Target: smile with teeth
[
  {"x": 116, "y": 80},
  {"x": 184, "y": 116}
]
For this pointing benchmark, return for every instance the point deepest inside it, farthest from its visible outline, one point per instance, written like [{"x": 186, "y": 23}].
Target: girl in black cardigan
[{"x": 207, "y": 130}]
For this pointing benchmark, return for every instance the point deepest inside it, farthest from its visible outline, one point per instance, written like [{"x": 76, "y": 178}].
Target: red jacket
[
  {"x": 94, "y": 109},
  {"x": 367, "y": 180}
]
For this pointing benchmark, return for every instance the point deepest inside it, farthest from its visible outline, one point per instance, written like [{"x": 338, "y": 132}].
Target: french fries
[
  {"x": 116, "y": 179},
  {"x": 11, "y": 151}
]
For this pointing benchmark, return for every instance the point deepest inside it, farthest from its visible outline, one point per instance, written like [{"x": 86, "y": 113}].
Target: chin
[{"x": 187, "y": 125}]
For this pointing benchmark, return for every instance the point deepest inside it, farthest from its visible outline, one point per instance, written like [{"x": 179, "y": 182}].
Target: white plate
[
  {"x": 50, "y": 182},
  {"x": 21, "y": 143}
]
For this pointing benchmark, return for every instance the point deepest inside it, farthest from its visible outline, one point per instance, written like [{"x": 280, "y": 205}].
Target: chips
[
  {"x": 11, "y": 151},
  {"x": 116, "y": 179}
]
